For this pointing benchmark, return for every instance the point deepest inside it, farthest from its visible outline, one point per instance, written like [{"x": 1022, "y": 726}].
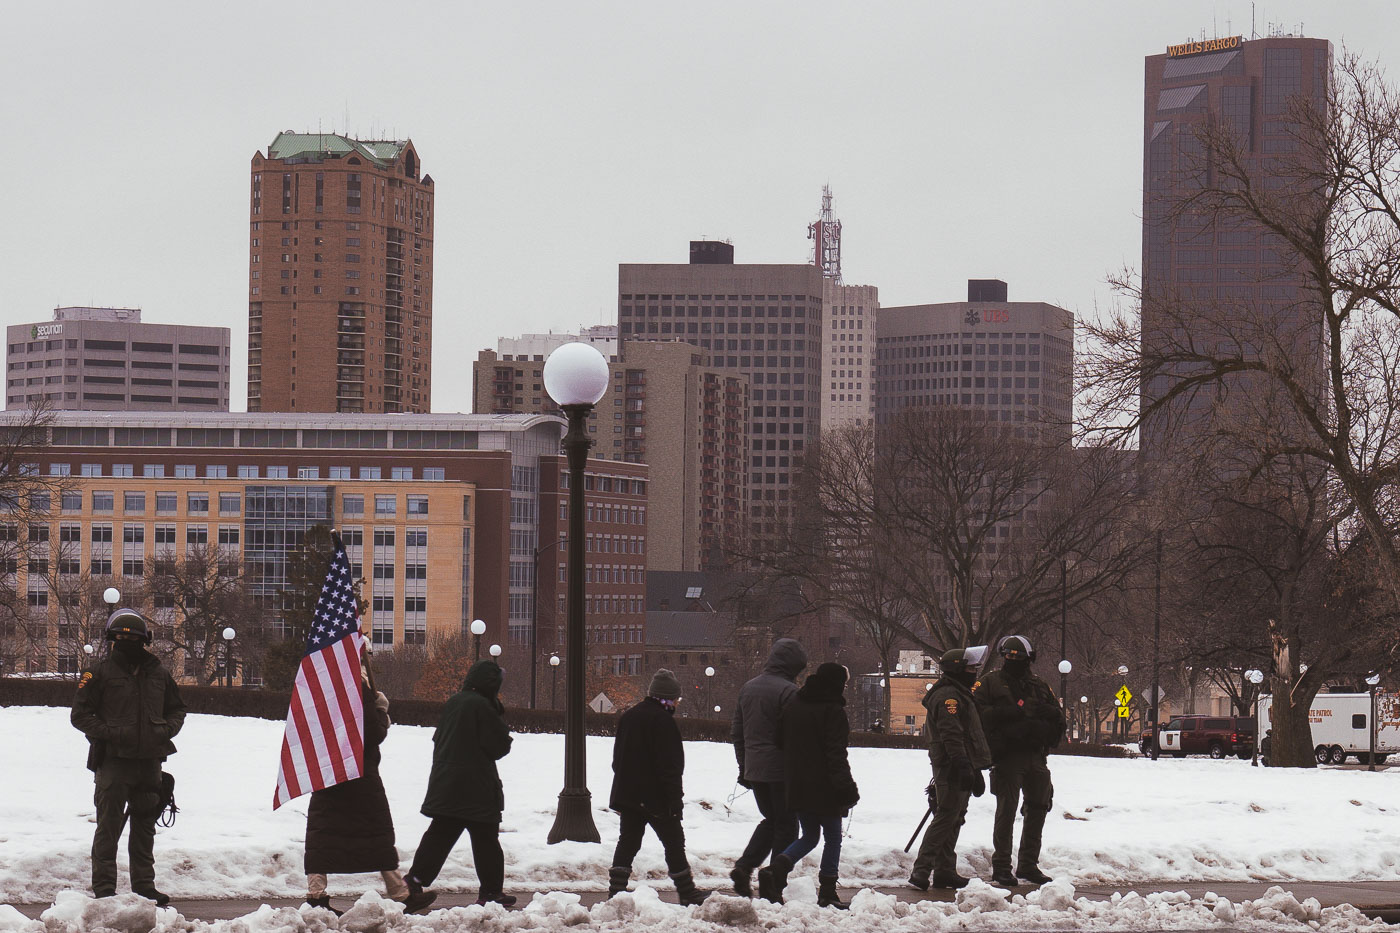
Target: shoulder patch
[
  {"x": 976, "y": 685},
  {"x": 951, "y": 705},
  {"x": 83, "y": 681}
]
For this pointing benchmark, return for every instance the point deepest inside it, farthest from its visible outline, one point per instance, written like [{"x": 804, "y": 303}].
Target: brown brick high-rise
[{"x": 340, "y": 276}]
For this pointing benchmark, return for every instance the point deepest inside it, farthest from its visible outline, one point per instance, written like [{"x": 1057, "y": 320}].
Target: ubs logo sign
[{"x": 987, "y": 316}]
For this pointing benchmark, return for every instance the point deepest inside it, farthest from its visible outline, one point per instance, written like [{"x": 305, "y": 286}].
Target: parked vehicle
[
  {"x": 1341, "y": 726},
  {"x": 1216, "y": 736},
  {"x": 1145, "y": 740}
]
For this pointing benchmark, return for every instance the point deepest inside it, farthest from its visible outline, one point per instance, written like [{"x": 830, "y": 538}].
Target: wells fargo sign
[{"x": 1206, "y": 45}]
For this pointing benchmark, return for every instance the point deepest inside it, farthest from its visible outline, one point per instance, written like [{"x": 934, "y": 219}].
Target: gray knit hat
[{"x": 664, "y": 686}]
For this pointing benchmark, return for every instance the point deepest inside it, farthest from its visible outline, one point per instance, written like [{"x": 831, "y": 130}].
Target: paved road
[{"x": 1378, "y": 899}]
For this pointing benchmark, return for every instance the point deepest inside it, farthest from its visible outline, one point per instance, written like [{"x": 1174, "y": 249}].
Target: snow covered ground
[{"x": 1113, "y": 822}]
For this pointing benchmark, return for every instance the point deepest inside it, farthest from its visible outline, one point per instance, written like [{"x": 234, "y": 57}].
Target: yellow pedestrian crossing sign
[
  {"x": 1124, "y": 711},
  {"x": 1124, "y": 695}
]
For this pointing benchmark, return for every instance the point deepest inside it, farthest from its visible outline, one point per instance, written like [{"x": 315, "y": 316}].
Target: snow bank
[
  {"x": 978, "y": 907},
  {"x": 1113, "y": 822}
]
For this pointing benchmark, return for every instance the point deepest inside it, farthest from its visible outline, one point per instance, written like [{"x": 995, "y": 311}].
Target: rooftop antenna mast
[{"x": 825, "y": 234}]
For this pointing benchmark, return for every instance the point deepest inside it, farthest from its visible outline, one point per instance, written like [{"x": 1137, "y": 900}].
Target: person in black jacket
[
  {"x": 648, "y": 762},
  {"x": 464, "y": 788},
  {"x": 1023, "y": 721},
  {"x": 349, "y": 828},
  {"x": 129, "y": 708},
  {"x": 812, "y": 733}
]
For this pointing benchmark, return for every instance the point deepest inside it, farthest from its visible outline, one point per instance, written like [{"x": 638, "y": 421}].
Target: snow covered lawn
[{"x": 1113, "y": 821}]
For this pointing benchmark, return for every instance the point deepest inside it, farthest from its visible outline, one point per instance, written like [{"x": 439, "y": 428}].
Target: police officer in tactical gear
[
  {"x": 958, "y": 753},
  {"x": 1023, "y": 721},
  {"x": 129, "y": 708}
]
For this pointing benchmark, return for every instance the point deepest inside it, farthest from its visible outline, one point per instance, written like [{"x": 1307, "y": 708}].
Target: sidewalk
[{"x": 1377, "y": 899}]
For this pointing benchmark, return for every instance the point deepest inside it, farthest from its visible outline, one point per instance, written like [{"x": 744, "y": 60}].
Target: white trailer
[{"x": 1341, "y": 725}]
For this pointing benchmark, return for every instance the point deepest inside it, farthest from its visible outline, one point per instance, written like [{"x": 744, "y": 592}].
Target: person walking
[
  {"x": 813, "y": 732},
  {"x": 129, "y": 708},
  {"x": 1023, "y": 721},
  {"x": 958, "y": 753},
  {"x": 349, "y": 828},
  {"x": 464, "y": 788},
  {"x": 648, "y": 764},
  {"x": 754, "y": 734}
]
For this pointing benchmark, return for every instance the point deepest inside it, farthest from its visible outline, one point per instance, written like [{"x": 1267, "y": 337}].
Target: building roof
[
  {"x": 508, "y": 423},
  {"x": 689, "y": 629},
  {"x": 289, "y": 145}
]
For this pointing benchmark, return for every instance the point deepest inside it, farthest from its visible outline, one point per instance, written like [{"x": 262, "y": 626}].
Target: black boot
[
  {"x": 742, "y": 876},
  {"x": 773, "y": 879},
  {"x": 418, "y": 900},
  {"x": 826, "y": 893},
  {"x": 323, "y": 902},
  {"x": 950, "y": 880},
  {"x": 1033, "y": 875},
  {"x": 618, "y": 876},
  {"x": 1002, "y": 878},
  {"x": 919, "y": 881},
  {"x": 151, "y": 894},
  {"x": 686, "y": 891}
]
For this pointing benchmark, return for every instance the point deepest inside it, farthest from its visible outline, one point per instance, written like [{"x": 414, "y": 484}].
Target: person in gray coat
[{"x": 755, "y": 733}]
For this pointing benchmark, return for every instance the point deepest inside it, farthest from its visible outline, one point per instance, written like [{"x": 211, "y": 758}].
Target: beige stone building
[{"x": 848, "y": 353}]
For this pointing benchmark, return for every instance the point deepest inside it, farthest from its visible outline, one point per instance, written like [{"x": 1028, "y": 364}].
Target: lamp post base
[{"x": 573, "y": 821}]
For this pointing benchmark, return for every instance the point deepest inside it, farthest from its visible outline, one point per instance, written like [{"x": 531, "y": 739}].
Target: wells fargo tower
[{"x": 340, "y": 276}]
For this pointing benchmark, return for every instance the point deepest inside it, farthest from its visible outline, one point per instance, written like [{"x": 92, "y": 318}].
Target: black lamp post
[
  {"x": 1064, "y": 612},
  {"x": 554, "y": 681},
  {"x": 478, "y": 629},
  {"x": 575, "y": 376},
  {"x": 228, "y": 634}
]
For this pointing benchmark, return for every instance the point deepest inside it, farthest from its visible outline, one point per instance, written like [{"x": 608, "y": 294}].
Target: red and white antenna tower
[{"x": 825, "y": 234}]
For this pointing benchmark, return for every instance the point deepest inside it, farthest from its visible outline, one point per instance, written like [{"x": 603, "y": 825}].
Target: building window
[
  {"x": 401, "y": 473},
  {"x": 352, "y": 505},
  {"x": 103, "y": 500},
  {"x": 247, "y": 471},
  {"x": 417, "y": 505},
  {"x": 133, "y": 503},
  {"x": 385, "y": 505},
  {"x": 197, "y": 503},
  {"x": 230, "y": 503}
]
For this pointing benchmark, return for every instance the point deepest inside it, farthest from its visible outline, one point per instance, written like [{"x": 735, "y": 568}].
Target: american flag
[{"x": 324, "y": 741}]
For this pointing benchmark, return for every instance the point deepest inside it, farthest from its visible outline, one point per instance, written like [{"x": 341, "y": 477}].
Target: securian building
[
  {"x": 340, "y": 276},
  {"x": 108, "y": 359}
]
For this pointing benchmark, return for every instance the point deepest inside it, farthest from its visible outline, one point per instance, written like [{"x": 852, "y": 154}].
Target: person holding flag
[{"x": 335, "y": 724}]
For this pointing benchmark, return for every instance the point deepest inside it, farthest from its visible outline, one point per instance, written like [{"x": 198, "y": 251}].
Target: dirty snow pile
[
  {"x": 1114, "y": 822},
  {"x": 978, "y": 907}
]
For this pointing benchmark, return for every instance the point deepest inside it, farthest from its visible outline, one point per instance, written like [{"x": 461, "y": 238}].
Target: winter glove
[
  {"x": 979, "y": 785},
  {"x": 381, "y": 702},
  {"x": 850, "y": 794},
  {"x": 744, "y": 782},
  {"x": 962, "y": 774},
  {"x": 932, "y": 793}
]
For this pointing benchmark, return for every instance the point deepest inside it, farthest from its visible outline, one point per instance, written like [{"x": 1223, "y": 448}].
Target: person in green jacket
[{"x": 464, "y": 789}]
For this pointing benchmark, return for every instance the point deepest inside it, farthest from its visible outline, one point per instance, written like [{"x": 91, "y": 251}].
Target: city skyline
[{"x": 958, "y": 143}]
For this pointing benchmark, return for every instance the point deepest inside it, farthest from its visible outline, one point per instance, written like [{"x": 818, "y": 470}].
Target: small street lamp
[
  {"x": 228, "y": 634},
  {"x": 1256, "y": 677},
  {"x": 1083, "y": 718},
  {"x": 1371, "y": 680},
  {"x": 478, "y": 629},
  {"x": 575, "y": 376},
  {"x": 495, "y": 651},
  {"x": 716, "y": 707},
  {"x": 110, "y": 596},
  {"x": 709, "y": 679},
  {"x": 1065, "y": 668},
  {"x": 553, "y": 680}
]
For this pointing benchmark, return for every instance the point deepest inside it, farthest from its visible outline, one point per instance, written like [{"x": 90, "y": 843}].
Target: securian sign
[{"x": 1209, "y": 45}]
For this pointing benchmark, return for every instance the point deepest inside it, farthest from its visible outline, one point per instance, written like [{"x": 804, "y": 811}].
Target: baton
[{"x": 910, "y": 844}]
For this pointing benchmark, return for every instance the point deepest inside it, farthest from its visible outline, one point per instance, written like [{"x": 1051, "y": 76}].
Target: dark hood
[
  {"x": 825, "y": 685},
  {"x": 484, "y": 678},
  {"x": 787, "y": 659}
]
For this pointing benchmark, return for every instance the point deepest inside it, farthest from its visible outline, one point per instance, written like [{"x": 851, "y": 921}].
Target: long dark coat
[
  {"x": 648, "y": 761},
  {"x": 348, "y": 826},
  {"x": 130, "y": 710},
  {"x": 812, "y": 733},
  {"x": 471, "y": 737}
]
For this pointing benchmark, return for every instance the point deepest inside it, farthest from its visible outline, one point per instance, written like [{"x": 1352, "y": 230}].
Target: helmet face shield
[
  {"x": 1016, "y": 647},
  {"x": 975, "y": 656}
]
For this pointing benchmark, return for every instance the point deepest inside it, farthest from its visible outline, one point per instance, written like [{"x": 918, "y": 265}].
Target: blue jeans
[{"x": 814, "y": 826}]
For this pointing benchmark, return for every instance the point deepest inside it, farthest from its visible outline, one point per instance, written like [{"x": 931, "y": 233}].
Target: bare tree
[{"x": 197, "y": 595}]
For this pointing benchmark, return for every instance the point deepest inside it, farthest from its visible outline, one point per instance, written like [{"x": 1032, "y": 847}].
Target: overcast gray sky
[{"x": 987, "y": 139}]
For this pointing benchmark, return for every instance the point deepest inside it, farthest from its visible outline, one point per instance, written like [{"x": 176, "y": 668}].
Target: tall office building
[
  {"x": 340, "y": 276},
  {"x": 663, "y": 407},
  {"x": 1219, "y": 272},
  {"x": 1013, "y": 360},
  {"x": 762, "y": 321},
  {"x": 849, "y": 314},
  {"x": 107, "y": 359}
]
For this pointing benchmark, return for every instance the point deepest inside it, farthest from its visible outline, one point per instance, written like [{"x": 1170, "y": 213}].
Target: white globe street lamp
[
  {"x": 1066, "y": 667},
  {"x": 495, "y": 651},
  {"x": 228, "y": 634},
  {"x": 478, "y": 628},
  {"x": 575, "y": 376},
  {"x": 111, "y": 596}
]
